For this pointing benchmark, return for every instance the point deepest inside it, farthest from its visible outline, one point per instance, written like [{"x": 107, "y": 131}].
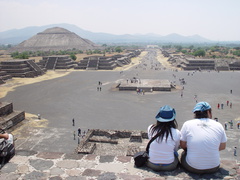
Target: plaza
[{"x": 76, "y": 96}]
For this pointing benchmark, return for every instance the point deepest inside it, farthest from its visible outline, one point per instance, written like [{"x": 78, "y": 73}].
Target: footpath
[{"x": 58, "y": 166}]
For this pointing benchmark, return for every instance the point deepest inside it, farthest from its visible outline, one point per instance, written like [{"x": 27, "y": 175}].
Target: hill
[{"x": 16, "y": 36}]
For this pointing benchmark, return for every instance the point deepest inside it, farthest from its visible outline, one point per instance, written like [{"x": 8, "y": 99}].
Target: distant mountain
[{"x": 16, "y": 36}]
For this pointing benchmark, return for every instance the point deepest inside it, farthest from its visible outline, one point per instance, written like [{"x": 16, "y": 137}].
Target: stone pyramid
[{"x": 55, "y": 39}]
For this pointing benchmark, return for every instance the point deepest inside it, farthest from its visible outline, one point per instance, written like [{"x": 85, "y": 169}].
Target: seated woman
[{"x": 163, "y": 150}]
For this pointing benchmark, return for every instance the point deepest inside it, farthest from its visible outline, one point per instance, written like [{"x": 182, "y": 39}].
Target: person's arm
[
  {"x": 183, "y": 145},
  {"x": 222, "y": 146},
  {"x": 5, "y": 136}
]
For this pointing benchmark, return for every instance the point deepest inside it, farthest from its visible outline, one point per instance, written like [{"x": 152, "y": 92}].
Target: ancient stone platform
[
  {"x": 9, "y": 117},
  {"x": 21, "y": 68},
  {"x": 147, "y": 85}
]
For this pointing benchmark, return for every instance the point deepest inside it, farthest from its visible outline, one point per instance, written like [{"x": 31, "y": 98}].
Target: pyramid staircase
[{"x": 57, "y": 62}]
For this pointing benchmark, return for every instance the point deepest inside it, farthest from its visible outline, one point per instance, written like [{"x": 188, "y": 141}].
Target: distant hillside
[{"x": 16, "y": 36}]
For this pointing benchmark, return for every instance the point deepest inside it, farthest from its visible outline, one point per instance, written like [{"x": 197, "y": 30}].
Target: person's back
[
  {"x": 202, "y": 138},
  {"x": 162, "y": 151}
]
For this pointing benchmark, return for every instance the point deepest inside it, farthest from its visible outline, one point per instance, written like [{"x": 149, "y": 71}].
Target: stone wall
[
  {"x": 9, "y": 117},
  {"x": 21, "y": 68}
]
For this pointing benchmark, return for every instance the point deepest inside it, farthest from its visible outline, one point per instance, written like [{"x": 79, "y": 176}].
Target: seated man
[
  {"x": 7, "y": 137},
  {"x": 202, "y": 139}
]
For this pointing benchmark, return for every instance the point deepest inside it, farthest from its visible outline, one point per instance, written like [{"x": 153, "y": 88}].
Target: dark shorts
[{"x": 185, "y": 165}]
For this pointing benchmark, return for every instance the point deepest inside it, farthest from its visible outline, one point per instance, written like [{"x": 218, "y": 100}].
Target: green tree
[
  {"x": 17, "y": 55},
  {"x": 73, "y": 56},
  {"x": 179, "y": 48},
  {"x": 199, "y": 53},
  {"x": 118, "y": 49}
]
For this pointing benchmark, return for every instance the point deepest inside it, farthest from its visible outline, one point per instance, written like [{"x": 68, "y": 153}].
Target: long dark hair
[{"x": 163, "y": 128}]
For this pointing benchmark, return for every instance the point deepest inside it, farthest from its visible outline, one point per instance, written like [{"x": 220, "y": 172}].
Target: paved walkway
[{"x": 56, "y": 166}]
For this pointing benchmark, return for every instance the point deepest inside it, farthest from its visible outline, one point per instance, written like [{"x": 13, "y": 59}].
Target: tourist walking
[
  {"x": 201, "y": 140},
  {"x": 73, "y": 122},
  {"x": 238, "y": 124},
  {"x": 231, "y": 124},
  {"x": 74, "y": 135},
  {"x": 163, "y": 150},
  {"x": 226, "y": 125},
  {"x": 79, "y": 131},
  {"x": 235, "y": 151}
]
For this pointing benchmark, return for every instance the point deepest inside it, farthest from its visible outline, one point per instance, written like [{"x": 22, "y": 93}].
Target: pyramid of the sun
[{"x": 55, "y": 39}]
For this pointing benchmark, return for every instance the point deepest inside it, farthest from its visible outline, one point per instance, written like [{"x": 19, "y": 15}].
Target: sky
[{"x": 217, "y": 20}]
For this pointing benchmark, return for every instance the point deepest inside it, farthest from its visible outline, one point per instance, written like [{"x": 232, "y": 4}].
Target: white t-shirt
[
  {"x": 163, "y": 152},
  {"x": 203, "y": 137},
  {"x": 10, "y": 139}
]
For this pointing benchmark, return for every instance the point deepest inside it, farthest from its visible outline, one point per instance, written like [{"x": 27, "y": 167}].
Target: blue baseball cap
[
  {"x": 201, "y": 106},
  {"x": 166, "y": 114}
]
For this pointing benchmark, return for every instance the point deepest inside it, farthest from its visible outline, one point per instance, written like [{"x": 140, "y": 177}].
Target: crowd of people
[{"x": 196, "y": 146}]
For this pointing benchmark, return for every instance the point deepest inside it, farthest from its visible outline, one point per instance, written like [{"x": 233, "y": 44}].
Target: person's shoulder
[
  {"x": 150, "y": 126},
  {"x": 190, "y": 121}
]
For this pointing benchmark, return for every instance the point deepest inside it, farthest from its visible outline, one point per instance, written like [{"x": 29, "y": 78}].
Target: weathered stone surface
[
  {"x": 127, "y": 176},
  {"x": 124, "y": 159},
  {"x": 25, "y": 152},
  {"x": 73, "y": 156},
  {"x": 39, "y": 164},
  {"x": 75, "y": 178},
  {"x": 10, "y": 176},
  {"x": 55, "y": 178},
  {"x": 104, "y": 159},
  {"x": 35, "y": 175},
  {"x": 106, "y": 176},
  {"x": 113, "y": 167},
  {"x": 49, "y": 155},
  {"x": 68, "y": 164},
  {"x": 90, "y": 157},
  {"x": 19, "y": 159},
  {"x": 9, "y": 167},
  {"x": 91, "y": 172},
  {"x": 23, "y": 169},
  {"x": 56, "y": 171},
  {"x": 73, "y": 172},
  {"x": 87, "y": 164}
]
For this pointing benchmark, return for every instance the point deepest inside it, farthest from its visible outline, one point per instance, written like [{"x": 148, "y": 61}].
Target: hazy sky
[{"x": 212, "y": 19}]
